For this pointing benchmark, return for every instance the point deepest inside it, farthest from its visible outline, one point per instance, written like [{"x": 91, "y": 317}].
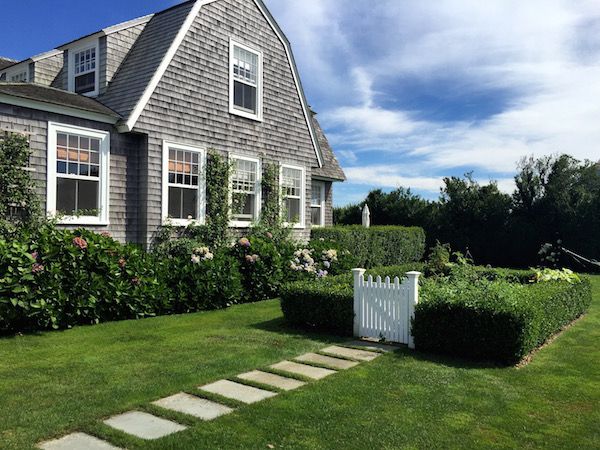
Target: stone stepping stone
[
  {"x": 334, "y": 363},
  {"x": 77, "y": 441},
  {"x": 193, "y": 406},
  {"x": 143, "y": 425},
  {"x": 373, "y": 346},
  {"x": 287, "y": 384},
  {"x": 344, "y": 352},
  {"x": 316, "y": 373},
  {"x": 237, "y": 391}
]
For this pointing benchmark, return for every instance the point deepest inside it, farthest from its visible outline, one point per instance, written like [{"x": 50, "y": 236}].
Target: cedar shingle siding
[{"x": 190, "y": 105}]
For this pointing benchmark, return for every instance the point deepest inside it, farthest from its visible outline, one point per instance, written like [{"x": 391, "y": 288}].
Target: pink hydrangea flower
[
  {"x": 122, "y": 263},
  {"x": 244, "y": 242},
  {"x": 37, "y": 268},
  {"x": 80, "y": 242},
  {"x": 135, "y": 281}
]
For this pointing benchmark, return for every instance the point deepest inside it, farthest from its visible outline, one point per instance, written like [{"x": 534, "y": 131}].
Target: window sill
[
  {"x": 182, "y": 222},
  {"x": 83, "y": 220},
  {"x": 240, "y": 224},
  {"x": 295, "y": 226},
  {"x": 246, "y": 115}
]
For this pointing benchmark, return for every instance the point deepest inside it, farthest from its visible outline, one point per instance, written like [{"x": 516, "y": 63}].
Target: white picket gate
[{"x": 384, "y": 308}]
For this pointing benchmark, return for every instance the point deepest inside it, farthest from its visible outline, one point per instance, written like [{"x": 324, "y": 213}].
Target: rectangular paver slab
[
  {"x": 373, "y": 346},
  {"x": 77, "y": 441},
  {"x": 287, "y": 384},
  {"x": 237, "y": 391},
  {"x": 334, "y": 363},
  {"x": 316, "y": 373},
  {"x": 344, "y": 352},
  {"x": 143, "y": 425},
  {"x": 194, "y": 406}
]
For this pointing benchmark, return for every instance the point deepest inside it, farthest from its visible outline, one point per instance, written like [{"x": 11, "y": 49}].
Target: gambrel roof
[
  {"x": 148, "y": 59},
  {"x": 152, "y": 53}
]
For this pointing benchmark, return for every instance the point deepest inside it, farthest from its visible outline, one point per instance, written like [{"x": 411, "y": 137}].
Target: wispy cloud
[{"x": 380, "y": 71}]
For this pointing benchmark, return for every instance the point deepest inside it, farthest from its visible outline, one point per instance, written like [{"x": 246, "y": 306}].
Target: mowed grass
[{"x": 55, "y": 383}]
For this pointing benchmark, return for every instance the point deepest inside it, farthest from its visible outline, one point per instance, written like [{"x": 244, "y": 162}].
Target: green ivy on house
[{"x": 18, "y": 201}]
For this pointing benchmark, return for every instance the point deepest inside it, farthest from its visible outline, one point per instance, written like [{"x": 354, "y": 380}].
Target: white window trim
[
  {"x": 301, "y": 224},
  {"x": 322, "y": 205},
  {"x": 258, "y": 197},
  {"x": 103, "y": 189},
  {"x": 71, "y": 51},
  {"x": 200, "y": 220},
  {"x": 259, "y": 83}
]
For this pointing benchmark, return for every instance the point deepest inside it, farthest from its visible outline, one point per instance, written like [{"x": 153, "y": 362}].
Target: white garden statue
[{"x": 366, "y": 217}]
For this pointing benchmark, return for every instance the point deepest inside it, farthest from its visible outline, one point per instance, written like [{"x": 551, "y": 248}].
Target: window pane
[
  {"x": 190, "y": 203},
  {"x": 315, "y": 214},
  {"x": 183, "y": 203},
  {"x": 66, "y": 191},
  {"x": 244, "y": 97},
  {"x": 175, "y": 202},
  {"x": 87, "y": 196},
  {"x": 317, "y": 193},
  {"x": 292, "y": 206},
  {"x": 85, "y": 83}
]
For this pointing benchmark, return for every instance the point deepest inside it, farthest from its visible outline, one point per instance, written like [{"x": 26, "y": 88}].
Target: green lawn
[{"x": 54, "y": 383}]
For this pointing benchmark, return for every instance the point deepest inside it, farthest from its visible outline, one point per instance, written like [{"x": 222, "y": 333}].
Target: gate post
[
  {"x": 413, "y": 299},
  {"x": 358, "y": 294}
]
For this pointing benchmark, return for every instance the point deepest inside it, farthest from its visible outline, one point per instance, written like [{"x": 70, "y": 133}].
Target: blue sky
[{"x": 409, "y": 92}]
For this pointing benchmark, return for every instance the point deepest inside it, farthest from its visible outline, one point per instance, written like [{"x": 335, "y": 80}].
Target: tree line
[{"x": 557, "y": 199}]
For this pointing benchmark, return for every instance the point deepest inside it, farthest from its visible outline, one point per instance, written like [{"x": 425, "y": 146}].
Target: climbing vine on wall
[
  {"x": 18, "y": 201},
  {"x": 218, "y": 174}
]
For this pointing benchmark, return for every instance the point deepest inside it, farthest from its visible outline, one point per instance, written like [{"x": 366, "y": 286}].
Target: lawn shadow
[
  {"x": 455, "y": 362},
  {"x": 280, "y": 326}
]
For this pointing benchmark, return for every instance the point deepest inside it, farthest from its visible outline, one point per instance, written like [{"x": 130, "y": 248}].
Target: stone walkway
[{"x": 288, "y": 376}]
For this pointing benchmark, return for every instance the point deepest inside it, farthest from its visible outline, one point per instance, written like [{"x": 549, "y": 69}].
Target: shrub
[
  {"x": 494, "y": 320},
  {"x": 58, "y": 278},
  {"x": 262, "y": 266},
  {"x": 377, "y": 246},
  {"x": 202, "y": 280},
  {"x": 320, "y": 304}
]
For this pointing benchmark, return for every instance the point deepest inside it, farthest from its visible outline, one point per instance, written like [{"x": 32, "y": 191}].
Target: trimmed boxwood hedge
[
  {"x": 379, "y": 245},
  {"x": 327, "y": 304},
  {"x": 496, "y": 321},
  {"x": 500, "y": 316}
]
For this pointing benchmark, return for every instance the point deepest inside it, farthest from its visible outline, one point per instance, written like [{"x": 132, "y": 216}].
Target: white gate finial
[{"x": 366, "y": 216}]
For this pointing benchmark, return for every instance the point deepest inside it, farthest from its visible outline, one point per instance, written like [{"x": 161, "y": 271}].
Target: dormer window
[
  {"x": 245, "y": 81},
  {"x": 83, "y": 69},
  {"x": 20, "y": 77}
]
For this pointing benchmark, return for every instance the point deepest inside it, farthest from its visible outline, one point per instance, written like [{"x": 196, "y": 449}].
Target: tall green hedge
[{"x": 377, "y": 246}]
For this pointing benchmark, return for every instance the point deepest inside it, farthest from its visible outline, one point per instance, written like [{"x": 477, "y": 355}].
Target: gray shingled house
[{"x": 120, "y": 120}]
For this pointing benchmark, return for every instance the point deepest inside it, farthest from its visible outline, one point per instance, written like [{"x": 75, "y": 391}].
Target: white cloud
[{"x": 544, "y": 56}]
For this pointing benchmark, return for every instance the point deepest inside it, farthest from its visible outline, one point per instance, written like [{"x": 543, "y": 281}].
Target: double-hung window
[
  {"x": 292, "y": 187},
  {"x": 245, "y": 190},
  {"x": 78, "y": 174},
  {"x": 245, "y": 90},
  {"x": 83, "y": 69},
  {"x": 183, "y": 184},
  {"x": 317, "y": 204}
]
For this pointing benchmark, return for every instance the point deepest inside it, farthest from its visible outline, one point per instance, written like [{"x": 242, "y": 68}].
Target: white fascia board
[
  {"x": 162, "y": 68},
  {"x": 58, "y": 109},
  {"x": 139, "y": 108}
]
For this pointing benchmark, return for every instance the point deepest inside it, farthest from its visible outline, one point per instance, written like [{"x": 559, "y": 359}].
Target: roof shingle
[
  {"x": 45, "y": 94},
  {"x": 331, "y": 167}
]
